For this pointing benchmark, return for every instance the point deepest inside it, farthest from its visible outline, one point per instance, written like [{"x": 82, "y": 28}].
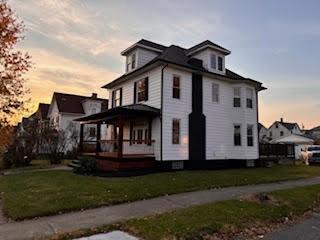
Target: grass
[
  {"x": 199, "y": 221},
  {"x": 32, "y": 194}
]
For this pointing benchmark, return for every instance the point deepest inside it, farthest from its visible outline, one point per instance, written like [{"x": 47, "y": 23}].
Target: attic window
[
  {"x": 213, "y": 61},
  {"x": 133, "y": 61},
  {"x": 220, "y": 63}
]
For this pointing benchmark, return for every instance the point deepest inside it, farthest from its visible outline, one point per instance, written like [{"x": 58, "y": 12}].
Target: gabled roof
[
  {"x": 260, "y": 126},
  {"x": 145, "y": 44},
  {"x": 70, "y": 103},
  {"x": 288, "y": 125},
  {"x": 177, "y": 56},
  {"x": 152, "y": 44},
  {"x": 206, "y": 44}
]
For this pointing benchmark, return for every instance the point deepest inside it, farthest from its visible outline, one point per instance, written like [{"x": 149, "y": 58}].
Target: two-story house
[
  {"x": 281, "y": 129},
  {"x": 64, "y": 108},
  {"x": 181, "y": 107}
]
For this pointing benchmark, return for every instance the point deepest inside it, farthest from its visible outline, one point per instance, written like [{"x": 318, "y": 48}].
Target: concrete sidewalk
[{"x": 46, "y": 226}]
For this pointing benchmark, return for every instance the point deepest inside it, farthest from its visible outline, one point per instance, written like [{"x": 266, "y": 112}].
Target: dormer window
[
  {"x": 220, "y": 63},
  {"x": 133, "y": 61},
  {"x": 213, "y": 60}
]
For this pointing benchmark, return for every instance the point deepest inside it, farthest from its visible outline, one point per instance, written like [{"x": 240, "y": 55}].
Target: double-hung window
[
  {"x": 176, "y": 87},
  {"x": 249, "y": 93},
  {"x": 175, "y": 131},
  {"x": 141, "y": 90},
  {"x": 213, "y": 61},
  {"x": 215, "y": 93},
  {"x": 117, "y": 97},
  {"x": 250, "y": 135},
  {"x": 237, "y": 135},
  {"x": 92, "y": 132},
  {"x": 220, "y": 63},
  {"x": 237, "y": 97},
  {"x": 133, "y": 61}
]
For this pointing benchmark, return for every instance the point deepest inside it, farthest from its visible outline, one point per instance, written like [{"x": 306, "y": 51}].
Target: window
[
  {"x": 277, "y": 125},
  {"x": 220, "y": 63},
  {"x": 117, "y": 98},
  {"x": 250, "y": 135},
  {"x": 249, "y": 97},
  {"x": 133, "y": 61},
  {"x": 237, "y": 135},
  {"x": 140, "y": 136},
  {"x": 213, "y": 61},
  {"x": 215, "y": 92},
  {"x": 92, "y": 132},
  {"x": 236, "y": 97},
  {"x": 142, "y": 94},
  {"x": 281, "y": 133},
  {"x": 175, "y": 131},
  {"x": 176, "y": 87},
  {"x": 93, "y": 110},
  {"x": 270, "y": 134}
]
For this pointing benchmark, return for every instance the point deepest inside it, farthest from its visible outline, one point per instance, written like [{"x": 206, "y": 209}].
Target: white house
[
  {"x": 182, "y": 107},
  {"x": 64, "y": 108},
  {"x": 299, "y": 141},
  {"x": 281, "y": 129}
]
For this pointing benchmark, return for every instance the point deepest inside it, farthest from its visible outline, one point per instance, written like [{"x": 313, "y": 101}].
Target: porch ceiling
[{"x": 125, "y": 112}]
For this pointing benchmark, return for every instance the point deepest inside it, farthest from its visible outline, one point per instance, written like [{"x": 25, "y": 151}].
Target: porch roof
[{"x": 127, "y": 111}]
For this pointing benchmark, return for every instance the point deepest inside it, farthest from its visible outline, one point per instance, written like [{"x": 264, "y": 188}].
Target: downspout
[{"x": 161, "y": 111}]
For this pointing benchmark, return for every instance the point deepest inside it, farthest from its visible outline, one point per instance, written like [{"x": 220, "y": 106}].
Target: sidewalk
[{"x": 46, "y": 226}]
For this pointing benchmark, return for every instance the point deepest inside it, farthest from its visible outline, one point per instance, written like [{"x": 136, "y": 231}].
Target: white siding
[
  {"x": 179, "y": 109},
  {"x": 144, "y": 56},
  {"x": 220, "y": 120}
]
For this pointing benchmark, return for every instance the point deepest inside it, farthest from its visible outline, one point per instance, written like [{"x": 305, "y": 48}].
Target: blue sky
[{"x": 76, "y": 45}]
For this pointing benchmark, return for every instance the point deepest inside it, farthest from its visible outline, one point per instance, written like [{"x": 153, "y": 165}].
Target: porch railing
[
  {"x": 129, "y": 147},
  {"x": 276, "y": 150}
]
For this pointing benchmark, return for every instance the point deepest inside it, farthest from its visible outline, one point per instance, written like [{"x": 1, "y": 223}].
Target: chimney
[
  {"x": 281, "y": 120},
  {"x": 94, "y": 95}
]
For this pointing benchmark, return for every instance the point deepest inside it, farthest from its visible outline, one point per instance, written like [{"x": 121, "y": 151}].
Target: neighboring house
[
  {"x": 314, "y": 133},
  {"x": 282, "y": 129},
  {"x": 262, "y": 133},
  {"x": 64, "y": 108},
  {"x": 181, "y": 106},
  {"x": 299, "y": 141}
]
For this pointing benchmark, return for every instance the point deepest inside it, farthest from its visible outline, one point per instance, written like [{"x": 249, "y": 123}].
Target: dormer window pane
[
  {"x": 133, "y": 61},
  {"x": 220, "y": 63},
  {"x": 249, "y": 98},
  {"x": 213, "y": 60}
]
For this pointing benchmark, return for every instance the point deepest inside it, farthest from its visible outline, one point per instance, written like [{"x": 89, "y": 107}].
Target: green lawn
[
  {"x": 200, "y": 221},
  {"x": 32, "y": 194}
]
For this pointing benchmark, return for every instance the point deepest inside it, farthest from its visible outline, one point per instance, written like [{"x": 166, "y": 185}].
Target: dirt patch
[{"x": 262, "y": 198}]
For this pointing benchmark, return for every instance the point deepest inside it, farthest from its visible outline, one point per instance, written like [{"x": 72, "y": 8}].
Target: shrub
[{"x": 87, "y": 165}]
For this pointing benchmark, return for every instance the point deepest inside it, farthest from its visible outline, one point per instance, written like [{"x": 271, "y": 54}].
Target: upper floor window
[
  {"x": 220, "y": 63},
  {"x": 176, "y": 87},
  {"x": 117, "y": 97},
  {"x": 93, "y": 110},
  {"x": 133, "y": 61},
  {"x": 237, "y": 135},
  {"x": 249, "y": 93},
  {"x": 215, "y": 92},
  {"x": 175, "y": 131},
  {"x": 281, "y": 133},
  {"x": 141, "y": 90},
  {"x": 277, "y": 125},
  {"x": 236, "y": 97},
  {"x": 270, "y": 134},
  {"x": 250, "y": 135},
  {"x": 213, "y": 61}
]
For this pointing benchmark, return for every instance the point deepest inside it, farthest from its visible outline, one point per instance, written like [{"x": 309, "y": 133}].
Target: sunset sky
[{"x": 75, "y": 45}]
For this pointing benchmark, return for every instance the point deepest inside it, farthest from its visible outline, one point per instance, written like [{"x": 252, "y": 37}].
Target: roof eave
[
  {"x": 224, "y": 51},
  {"x": 136, "y": 45}
]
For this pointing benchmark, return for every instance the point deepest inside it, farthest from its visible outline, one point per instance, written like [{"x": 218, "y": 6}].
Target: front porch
[{"x": 127, "y": 144}]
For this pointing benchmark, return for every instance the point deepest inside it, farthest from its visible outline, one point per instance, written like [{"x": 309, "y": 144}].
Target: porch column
[
  {"x": 98, "y": 138},
  {"x": 149, "y": 131},
  {"x": 81, "y": 137},
  {"x": 120, "y": 138}
]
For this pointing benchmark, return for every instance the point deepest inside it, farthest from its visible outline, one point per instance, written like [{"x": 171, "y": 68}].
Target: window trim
[
  {"x": 144, "y": 90},
  {"x": 174, "y": 120},
  {"x": 133, "y": 61},
  {"x": 176, "y": 88},
  {"x": 247, "y": 98},
  {"x": 218, "y": 63},
  {"x": 234, "y": 135},
  {"x": 218, "y": 92},
  {"x": 236, "y": 97},
  {"x": 213, "y": 56},
  {"x": 117, "y": 99},
  {"x": 250, "y": 136}
]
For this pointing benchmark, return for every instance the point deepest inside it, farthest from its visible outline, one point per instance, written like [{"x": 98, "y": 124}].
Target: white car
[{"x": 311, "y": 154}]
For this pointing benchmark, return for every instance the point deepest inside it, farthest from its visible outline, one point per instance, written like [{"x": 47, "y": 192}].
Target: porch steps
[{"x": 74, "y": 164}]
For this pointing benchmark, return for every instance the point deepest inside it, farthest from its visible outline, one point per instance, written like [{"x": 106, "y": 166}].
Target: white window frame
[
  {"x": 173, "y": 87},
  {"x": 117, "y": 99},
  {"x": 179, "y": 131},
  {"x": 252, "y": 134},
  {"x": 213, "y": 65},
  {"x": 215, "y": 96},
  {"x": 141, "y": 91},
  {"x": 219, "y": 57},
  {"x": 234, "y": 134},
  {"x": 249, "y": 96},
  {"x": 238, "y": 95}
]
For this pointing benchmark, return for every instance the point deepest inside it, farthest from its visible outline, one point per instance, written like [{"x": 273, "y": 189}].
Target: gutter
[{"x": 161, "y": 111}]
